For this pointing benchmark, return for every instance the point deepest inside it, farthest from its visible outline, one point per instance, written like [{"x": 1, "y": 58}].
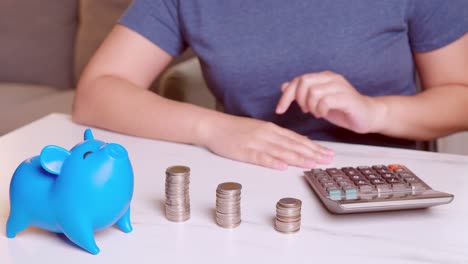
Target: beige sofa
[{"x": 44, "y": 46}]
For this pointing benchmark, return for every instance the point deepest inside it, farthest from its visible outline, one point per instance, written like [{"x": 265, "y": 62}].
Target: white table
[{"x": 436, "y": 235}]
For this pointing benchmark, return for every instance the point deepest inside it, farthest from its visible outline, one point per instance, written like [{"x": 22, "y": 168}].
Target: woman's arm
[
  {"x": 441, "y": 109},
  {"x": 113, "y": 94}
]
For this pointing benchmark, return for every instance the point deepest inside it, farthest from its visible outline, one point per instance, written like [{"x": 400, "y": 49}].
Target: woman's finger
[
  {"x": 312, "y": 155},
  {"x": 260, "y": 157},
  {"x": 289, "y": 156},
  {"x": 301, "y": 93},
  {"x": 284, "y": 85},
  {"x": 287, "y": 98},
  {"x": 315, "y": 94},
  {"x": 306, "y": 141}
]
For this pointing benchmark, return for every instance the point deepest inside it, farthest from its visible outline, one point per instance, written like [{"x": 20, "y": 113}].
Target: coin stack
[
  {"x": 288, "y": 215},
  {"x": 177, "y": 193},
  {"x": 228, "y": 212}
]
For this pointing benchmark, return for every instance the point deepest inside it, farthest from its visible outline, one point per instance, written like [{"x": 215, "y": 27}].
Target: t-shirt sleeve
[
  {"x": 158, "y": 21},
  {"x": 433, "y": 24}
]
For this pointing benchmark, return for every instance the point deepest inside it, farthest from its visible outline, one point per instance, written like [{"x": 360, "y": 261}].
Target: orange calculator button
[{"x": 395, "y": 166}]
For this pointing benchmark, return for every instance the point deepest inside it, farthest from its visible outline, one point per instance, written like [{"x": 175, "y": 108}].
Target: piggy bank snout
[{"x": 116, "y": 151}]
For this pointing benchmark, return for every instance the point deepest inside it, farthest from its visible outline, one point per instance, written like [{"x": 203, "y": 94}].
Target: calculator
[{"x": 373, "y": 188}]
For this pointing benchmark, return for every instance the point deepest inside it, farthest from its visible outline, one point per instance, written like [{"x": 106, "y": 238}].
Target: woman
[{"x": 287, "y": 72}]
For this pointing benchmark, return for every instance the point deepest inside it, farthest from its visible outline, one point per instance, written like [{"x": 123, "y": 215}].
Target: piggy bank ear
[
  {"x": 88, "y": 134},
  {"x": 52, "y": 158}
]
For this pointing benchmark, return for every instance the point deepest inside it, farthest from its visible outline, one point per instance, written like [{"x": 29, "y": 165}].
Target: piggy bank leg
[
  {"x": 82, "y": 235},
  {"x": 124, "y": 222},
  {"x": 17, "y": 222}
]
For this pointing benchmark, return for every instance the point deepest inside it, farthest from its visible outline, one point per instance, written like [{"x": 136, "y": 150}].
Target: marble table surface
[{"x": 435, "y": 235}]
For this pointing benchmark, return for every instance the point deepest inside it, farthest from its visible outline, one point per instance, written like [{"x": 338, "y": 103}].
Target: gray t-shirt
[{"x": 248, "y": 48}]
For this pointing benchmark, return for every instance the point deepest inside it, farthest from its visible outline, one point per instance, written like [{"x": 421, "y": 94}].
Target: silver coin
[
  {"x": 231, "y": 220},
  {"x": 228, "y": 221},
  {"x": 288, "y": 215},
  {"x": 287, "y": 227},
  {"x": 228, "y": 213},
  {"x": 289, "y": 202},
  {"x": 180, "y": 218},
  {"x": 228, "y": 204},
  {"x": 228, "y": 201},
  {"x": 227, "y": 193},
  {"x": 177, "y": 205},
  {"x": 287, "y": 231},
  {"x": 178, "y": 170},
  {"x": 229, "y": 186},
  {"x": 289, "y": 220},
  {"x": 288, "y": 209},
  {"x": 233, "y": 225},
  {"x": 228, "y": 216},
  {"x": 287, "y": 224}
]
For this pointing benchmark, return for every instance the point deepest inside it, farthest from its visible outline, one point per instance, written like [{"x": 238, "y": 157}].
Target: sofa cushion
[
  {"x": 21, "y": 104},
  {"x": 96, "y": 21},
  {"x": 97, "y": 18},
  {"x": 37, "y": 41},
  {"x": 184, "y": 82}
]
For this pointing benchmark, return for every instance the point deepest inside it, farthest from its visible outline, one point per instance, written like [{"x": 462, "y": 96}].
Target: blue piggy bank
[{"x": 74, "y": 192}]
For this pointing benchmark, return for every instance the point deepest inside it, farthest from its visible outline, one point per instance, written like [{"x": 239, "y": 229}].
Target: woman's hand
[
  {"x": 261, "y": 143},
  {"x": 330, "y": 96}
]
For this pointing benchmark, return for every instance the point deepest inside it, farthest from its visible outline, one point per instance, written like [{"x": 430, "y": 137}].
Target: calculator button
[
  {"x": 328, "y": 184},
  {"x": 399, "y": 194},
  {"x": 384, "y": 191},
  {"x": 325, "y": 179},
  {"x": 382, "y": 188},
  {"x": 340, "y": 178},
  {"x": 417, "y": 186},
  {"x": 320, "y": 174},
  {"x": 395, "y": 166},
  {"x": 384, "y": 195},
  {"x": 366, "y": 188},
  {"x": 343, "y": 184},
  {"x": 382, "y": 171},
  {"x": 337, "y": 174},
  {"x": 351, "y": 193},
  {"x": 368, "y": 195},
  {"x": 357, "y": 177},
  {"x": 361, "y": 168},
  {"x": 322, "y": 177},
  {"x": 315, "y": 171},
  {"x": 373, "y": 176},
  {"x": 368, "y": 171},
  {"x": 405, "y": 174},
  {"x": 334, "y": 193},
  {"x": 411, "y": 179},
  {"x": 379, "y": 167},
  {"x": 334, "y": 171},
  {"x": 388, "y": 175},
  {"x": 349, "y": 169},
  {"x": 352, "y": 173},
  {"x": 361, "y": 182},
  {"x": 378, "y": 181},
  {"x": 399, "y": 187},
  {"x": 393, "y": 180}
]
